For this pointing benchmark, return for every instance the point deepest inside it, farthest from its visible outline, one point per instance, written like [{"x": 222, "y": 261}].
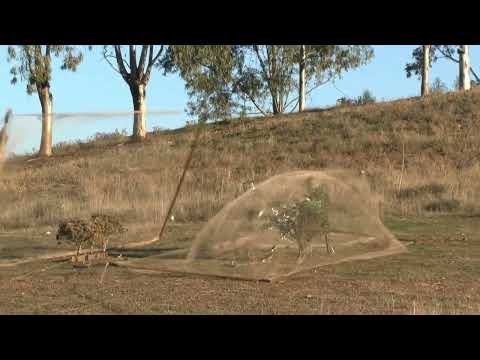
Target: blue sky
[{"x": 95, "y": 87}]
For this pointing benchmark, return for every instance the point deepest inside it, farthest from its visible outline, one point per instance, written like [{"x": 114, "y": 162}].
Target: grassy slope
[{"x": 438, "y": 140}]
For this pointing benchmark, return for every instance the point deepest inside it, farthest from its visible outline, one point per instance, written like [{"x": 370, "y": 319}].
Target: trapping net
[{"x": 289, "y": 223}]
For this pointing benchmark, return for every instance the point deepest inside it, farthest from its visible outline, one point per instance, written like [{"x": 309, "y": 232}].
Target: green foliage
[
  {"x": 416, "y": 67},
  {"x": 434, "y": 189},
  {"x": 292, "y": 220},
  {"x": 345, "y": 101},
  {"x": 443, "y": 205},
  {"x": 225, "y": 79},
  {"x": 208, "y": 74},
  {"x": 326, "y": 62},
  {"x": 437, "y": 52},
  {"x": 33, "y": 63},
  {"x": 366, "y": 98},
  {"x": 134, "y": 68}
]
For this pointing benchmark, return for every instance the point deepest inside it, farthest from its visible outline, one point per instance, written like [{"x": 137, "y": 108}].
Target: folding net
[{"x": 289, "y": 223}]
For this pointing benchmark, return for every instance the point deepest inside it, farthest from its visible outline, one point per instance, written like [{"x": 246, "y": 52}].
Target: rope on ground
[{"x": 27, "y": 274}]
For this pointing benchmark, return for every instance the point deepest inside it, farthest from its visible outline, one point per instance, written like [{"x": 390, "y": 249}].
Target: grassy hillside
[{"x": 436, "y": 141}]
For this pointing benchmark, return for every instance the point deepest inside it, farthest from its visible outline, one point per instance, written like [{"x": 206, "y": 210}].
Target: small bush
[
  {"x": 443, "y": 205},
  {"x": 294, "y": 218},
  {"x": 366, "y": 98},
  {"x": 413, "y": 192},
  {"x": 110, "y": 137},
  {"x": 345, "y": 101},
  {"x": 438, "y": 87}
]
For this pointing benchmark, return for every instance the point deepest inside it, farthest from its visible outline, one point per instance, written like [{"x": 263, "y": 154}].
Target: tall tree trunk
[
  {"x": 3, "y": 139},
  {"x": 425, "y": 70},
  {"x": 301, "y": 80},
  {"x": 140, "y": 107},
  {"x": 3, "y": 133},
  {"x": 275, "y": 106},
  {"x": 47, "y": 108},
  {"x": 3, "y": 144},
  {"x": 464, "y": 71}
]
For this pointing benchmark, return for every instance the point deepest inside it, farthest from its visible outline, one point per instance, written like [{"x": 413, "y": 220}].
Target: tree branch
[
  {"x": 448, "y": 55},
  {"x": 29, "y": 61},
  {"x": 286, "y": 101},
  {"x": 267, "y": 76},
  {"x": 477, "y": 79},
  {"x": 158, "y": 54},
  {"x": 308, "y": 92},
  {"x": 271, "y": 59},
  {"x": 151, "y": 62},
  {"x": 121, "y": 66},
  {"x": 255, "y": 104},
  {"x": 143, "y": 57},
  {"x": 150, "y": 56},
  {"x": 105, "y": 56},
  {"x": 288, "y": 76},
  {"x": 133, "y": 61}
]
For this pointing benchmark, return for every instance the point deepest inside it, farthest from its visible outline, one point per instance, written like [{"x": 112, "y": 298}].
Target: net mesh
[
  {"x": 291, "y": 222},
  {"x": 25, "y": 129}
]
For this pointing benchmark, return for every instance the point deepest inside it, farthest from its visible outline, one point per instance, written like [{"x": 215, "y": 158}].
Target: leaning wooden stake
[
  {"x": 104, "y": 272},
  {"x": 185, "y": 168},
  {"x": 403, "y": 168}
]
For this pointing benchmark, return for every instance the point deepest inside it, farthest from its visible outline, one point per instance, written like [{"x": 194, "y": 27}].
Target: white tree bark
[
  {"x": 47, "y": 106},
  {"x": 425, "y": 70},
  {"x": 464, "y": 70},
  {"x": 301, "y": 81},
  {"x": 3, "y": 144},
  {"x": 140, "y": 108},
  {"x": 137, "y": 79}
]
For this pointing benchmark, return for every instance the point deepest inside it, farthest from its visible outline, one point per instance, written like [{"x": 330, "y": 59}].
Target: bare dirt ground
[{"x": 438, "y": 275}]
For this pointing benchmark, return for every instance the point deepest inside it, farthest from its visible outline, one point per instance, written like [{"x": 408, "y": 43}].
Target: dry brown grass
[{"x": 439, "y": 136}]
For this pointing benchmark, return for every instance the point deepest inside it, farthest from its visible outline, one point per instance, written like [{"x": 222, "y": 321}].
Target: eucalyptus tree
[
  {"x": 136, "y": 70},
  {"x": 456, "y": 53},
  {"x": 33, "y": 65},
  {"x": 464, "y": 68},
  {"x": 222, "y": 79},
  {"x": 320, "y": 64},
  {"x": 425, "y": 70}
]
